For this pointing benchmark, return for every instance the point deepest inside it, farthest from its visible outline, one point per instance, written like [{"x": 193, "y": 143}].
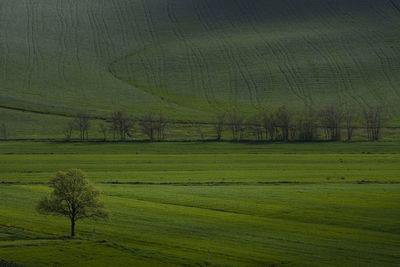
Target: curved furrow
[
  {"x": 208, "y": 27},
  {"x": 5, "y": 49},
  {"x": 121, "y": 15},
  {"x": 119, "y": 11},
  {"x": 345, "y": 89},
  {"x": 200, "y": 58},
  {"x": 111, "y": 47},
  {"x": 360, "y": 70},
  {"x": 75, "y": 43},
  {"x": 386, "y": 62},
  {"x": 142, "y": 41},
  {"x": 383, "y": 16},
  {"x": 292, "y": 65},
  {"x": 159, "y": 65},
  {"x": 241, "y": 24},
  {"x": 62, "y": 43},
  {"x": 395, "y": 6},
  {"x": 99, "y": 40},
  {"x": 287, "y": 62},
  {"x": 378, "y": 93},
  {"x": 347, "y": 80},
  {"x": 293, "y": 68},
  {"x": 326, "y": 62},
  {"x": 296, "y": 86},
  {"x": 386, "y": 65},
  {"x": 96, "y": 39},
  {"x": 247, "y": 77},
  {"x": 273, "y": 50},
  {"x": 188, "y": 47},
  {"x": 106, "y": 48},
  {"x": 268, "y": 84},
  {"x": 249, "y": 5},
  {"x": 228, "y": 54},
  {"x": 31, "y": 45}
]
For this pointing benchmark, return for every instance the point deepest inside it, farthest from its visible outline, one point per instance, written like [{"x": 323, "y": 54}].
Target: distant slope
[{"x": 192, "y": 58}]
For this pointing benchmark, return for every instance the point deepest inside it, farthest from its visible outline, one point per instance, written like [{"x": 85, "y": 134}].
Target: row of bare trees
[
  {"x": 281, "y": 124},
  {"x": 80, "y": 123},
  {"x": 120, "y": 125},
  {"x": 284, "y": 125}
]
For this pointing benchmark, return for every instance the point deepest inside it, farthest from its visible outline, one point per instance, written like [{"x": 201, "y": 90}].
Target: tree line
[
  {"x": 281, "y": 124},
  {"x": 284, "y": 125},
  {"x": 120, "y": 126}
]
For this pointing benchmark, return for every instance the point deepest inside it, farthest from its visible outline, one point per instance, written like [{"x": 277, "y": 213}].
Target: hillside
[{"x": 193, "y": 58}]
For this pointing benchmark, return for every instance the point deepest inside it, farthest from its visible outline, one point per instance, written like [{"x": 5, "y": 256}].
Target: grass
[
  {"x": 271, "y": 204},
  {"x": 189, "y": 61}
]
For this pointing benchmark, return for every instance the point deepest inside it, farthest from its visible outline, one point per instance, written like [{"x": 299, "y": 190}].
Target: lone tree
[{"x": 73, "y": 197}]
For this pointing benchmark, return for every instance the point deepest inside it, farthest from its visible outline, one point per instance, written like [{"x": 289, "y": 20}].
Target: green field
[
  {"x": 248, "y": 204},
  {"x": 185, "y": 202},
  {"x": 191, "y": 59}
]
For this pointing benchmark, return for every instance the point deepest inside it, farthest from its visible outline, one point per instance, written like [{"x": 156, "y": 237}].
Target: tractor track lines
[
  {"x": 34, "y": 54},
  {"x": 227, "y": 53},
  {"x": 62, "y": 43},
  {"x": 4, "y": 42},
  {"x": 159, "y": 63},
  {"x": 192, "y": 56},
  {"x": 75, "y": 42},
  {"x": 395, "y": 6}
]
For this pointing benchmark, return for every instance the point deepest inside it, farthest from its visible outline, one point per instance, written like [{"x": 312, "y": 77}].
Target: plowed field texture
[{"x": 192, "y": 58}]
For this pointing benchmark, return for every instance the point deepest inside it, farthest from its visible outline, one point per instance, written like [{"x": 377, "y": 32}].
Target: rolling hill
[{"x": 193, "y": 58}]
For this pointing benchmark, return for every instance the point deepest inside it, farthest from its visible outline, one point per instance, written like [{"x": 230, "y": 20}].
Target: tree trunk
[{"x": 72, "y": 227}]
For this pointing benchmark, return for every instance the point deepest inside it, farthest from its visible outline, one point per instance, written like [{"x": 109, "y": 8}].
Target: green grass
[
  {"x": 283, "y": 204},
  {"x": 190, "y": 59}
]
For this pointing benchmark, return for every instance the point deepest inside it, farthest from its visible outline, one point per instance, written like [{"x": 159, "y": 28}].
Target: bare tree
[
  {"x": 69, "y": 128},
  {"x": 307, "y": 126},
  {"x": 256, "y": 127},
  {"x": 4, "y": 131},
  {"x": 258, "y": 132},
  {"x": 200, "y": 130},
  {"x": 82, "y": 124},
  {"x": 236, "y": 123},
  {"x": 220, "y": 124},
  {"x": 331, "y": 118},
  {"x": 148, "y": 125},
  {"x": 103, "y": 128},
  {"x": 127, "y": 128},
  {"x": 283, "y": 123},
  {"x": 268, "y": 123},
  {"x": 349, "y": 117},
  {"x": 121, "y": 125},
  {"x": 374, "y": 120},
  {"x": 161, "y": 126}
]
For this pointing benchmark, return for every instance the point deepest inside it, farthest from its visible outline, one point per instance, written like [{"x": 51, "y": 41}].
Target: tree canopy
[{"x": 73, "y": 197}]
